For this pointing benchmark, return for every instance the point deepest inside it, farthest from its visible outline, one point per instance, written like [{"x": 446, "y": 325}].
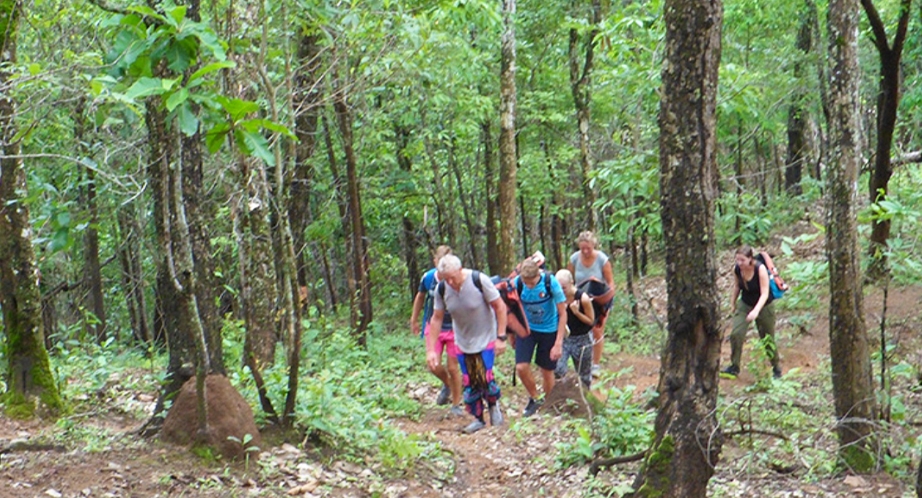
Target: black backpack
[{"x": 477, "y": 283}]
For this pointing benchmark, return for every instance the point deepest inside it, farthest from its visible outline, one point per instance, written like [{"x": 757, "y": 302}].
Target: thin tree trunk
[
  {"x": 339, "y": 186},
  {"x": 797, "y": 112},
  {"x": 688, "y": 439},
  {"x": 306, "y": 103},
  {"x": 888, "y": 102},
  {"x": 466, "y": 208},
  {"x": 132, "y": 273},
  {"x": 852, "y": 382},
  {"x": 507, "y": 150},
  {"x": 361, "y": 304},
  {"x": 490, "y": 202},
  {"x": 402, "y": 139},
  {"x": 92, "y": 272},
  {"x": 581, "y": 90}
]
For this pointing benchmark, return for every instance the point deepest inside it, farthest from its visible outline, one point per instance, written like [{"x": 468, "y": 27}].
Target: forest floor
[{"x": 517, "y": 459}]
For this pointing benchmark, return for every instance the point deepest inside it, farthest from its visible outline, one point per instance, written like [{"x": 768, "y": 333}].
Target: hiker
[
  {"x": 449, "y": 374},
  {"x": 479, "y": 319},
  {"x": 580, "y": 318},
  {"x": 587, "y": 263},
  {"x": 756, "y": 305},
  {"x": 546, "y": 314}
]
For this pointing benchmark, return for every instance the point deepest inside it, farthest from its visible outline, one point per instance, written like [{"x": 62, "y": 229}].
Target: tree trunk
[
  {"x": 129, "y": 255},
  {"x": 507, "y": 152},
  {"x": 490, "y": 202},
  {"x": 339, "y": 187},
  {"x": 688, "y": 439},
  {"x": 306, "y": 101},
  {"x": 402, "y": 138},
  {"x": 28, "y": 372},
  {"x": 888, "y": 102},
  {"x": 581, "y": 90},
  {"x": 851, "y": 365},
  {"x": 797, "y": 112},
  {"x": 92, "y": 271},
  {"x": 361, "y": 304}
]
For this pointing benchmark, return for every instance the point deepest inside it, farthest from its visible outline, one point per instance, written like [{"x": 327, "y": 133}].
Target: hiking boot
[
  {"x": 496, "y": 416},
  {"x": 776, "y": 372},
  {"x": 531, "y": 408},
  {"x": 444, "y": 396},
  {"x": 596, "y": 370},
  {"x": 457, "y": 411},
  {"x": 474, "y": 426},
  {"x": 731, "y": 372}
]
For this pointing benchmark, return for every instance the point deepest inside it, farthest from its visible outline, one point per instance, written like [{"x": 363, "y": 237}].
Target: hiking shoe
[
  {"x": 457, "y": 411},
  {"x": 531, "y": 408},
  {"x": 496, "y": 415},
  {"x": 596, "y": 370},
  {"x": 776, "y": 372},
  {"x": 474, "y": 426},
  {"x": 731, "y": 372},
  {"x": 444, "y": 396}
]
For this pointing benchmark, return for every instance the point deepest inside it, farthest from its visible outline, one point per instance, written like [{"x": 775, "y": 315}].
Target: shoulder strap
[
  {"x": 547, "y": 283},
  {"x": 519, "y": 285},
  {"x": 475, "y": 275}
]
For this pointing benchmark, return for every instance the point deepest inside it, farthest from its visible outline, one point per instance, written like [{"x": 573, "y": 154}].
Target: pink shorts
[{"x": 446, "y": 342}]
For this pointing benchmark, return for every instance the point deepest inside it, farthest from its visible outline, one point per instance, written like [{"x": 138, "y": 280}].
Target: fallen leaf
[{"x": 855, "y": 481}]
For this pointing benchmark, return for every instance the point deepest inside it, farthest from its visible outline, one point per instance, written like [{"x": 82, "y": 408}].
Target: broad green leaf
[
  {"x": 237, "y": 108},
  {"x": 146, "y": 87},
  {"x": 178, "y": 14},
  {"x": 188, "y": 123},
  {"x": 34, "y": 69},
  {"x": 255, "y": 144},
  {"x": 60, "y": 240},
  {"x": 176, "y": 98},
  {"x": 210, "y": 68},
  {"x": 214, "y": 139}
]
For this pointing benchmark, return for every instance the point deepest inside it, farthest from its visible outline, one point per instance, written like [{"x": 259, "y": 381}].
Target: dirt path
[{"x": 513, "y": 460}]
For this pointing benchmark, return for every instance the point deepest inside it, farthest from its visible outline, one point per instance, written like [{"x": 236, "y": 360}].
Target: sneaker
[
  {"x": 531, "y": 408},
  {"x": 731, "y": 372},
  {"x": 776, "y": 372},
  {"x": 444, "y": 396},
  {"x": 457, "y": 411},
  {"x": 596, "y": 370},
  {"x": 496, "y": 415},
  {"x": 474, "y": 426}
]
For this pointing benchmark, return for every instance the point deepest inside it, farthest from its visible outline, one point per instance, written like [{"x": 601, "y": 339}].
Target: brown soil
[{"x": 513, "y": 460}]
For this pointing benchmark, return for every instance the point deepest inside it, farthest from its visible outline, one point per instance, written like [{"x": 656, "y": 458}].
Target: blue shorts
[{"x": 543, "y": 342}]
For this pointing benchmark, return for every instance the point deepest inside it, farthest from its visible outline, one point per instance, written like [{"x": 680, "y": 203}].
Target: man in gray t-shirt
[{"x": 479, "y": 318}]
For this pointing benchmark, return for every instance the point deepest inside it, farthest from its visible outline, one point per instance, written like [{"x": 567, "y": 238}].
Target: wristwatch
[{"x": 501, "y": 337}]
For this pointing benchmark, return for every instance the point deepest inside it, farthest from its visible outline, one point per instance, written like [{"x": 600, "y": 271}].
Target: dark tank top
[
  {"x": 577, "y": 327},
  {"x": 750, "y": 289}
]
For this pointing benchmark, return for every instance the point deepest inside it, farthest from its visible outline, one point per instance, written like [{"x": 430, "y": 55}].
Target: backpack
[
  {"x": 601, "y": 294},
  {"x": 776, "y": 284},
  {"x": 475, "y": 275}
]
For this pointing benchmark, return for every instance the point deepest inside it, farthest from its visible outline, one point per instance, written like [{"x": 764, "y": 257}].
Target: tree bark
[
  {"x": 92, "y": 272},
  {"x": 888, "y": 102},
  {"x": 507, "y": 150},
  {"x": 851, "y": 366},
  {"x": 361, "y": 304},
  {"x": 306, "y": 104},
  {"x": 688, "y": 439},
  {"x": 402, "y": 139},
  {"x": 28, "y": 372},
  {"x": 797, "y": 112},
  {"x": 581, "y": 90},
  {"x": 129, "y": 255},
  {"x": 494, "y": 258}
]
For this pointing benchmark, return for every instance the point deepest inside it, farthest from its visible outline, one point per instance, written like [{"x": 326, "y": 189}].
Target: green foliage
[{"x": 623, "y": 427}]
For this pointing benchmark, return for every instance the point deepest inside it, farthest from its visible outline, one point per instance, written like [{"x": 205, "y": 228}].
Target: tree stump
[{"x": 229, "y": 416}]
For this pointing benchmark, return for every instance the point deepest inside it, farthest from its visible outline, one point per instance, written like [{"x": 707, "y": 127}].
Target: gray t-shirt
[
  {"x": 472, "y": 315},
  {"x": 581, "y": 272}
]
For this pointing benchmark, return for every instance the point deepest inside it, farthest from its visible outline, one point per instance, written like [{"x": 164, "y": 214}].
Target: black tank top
[
  {"x": 750, "y": 289},
  {"x": 577, "y": 327}
]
